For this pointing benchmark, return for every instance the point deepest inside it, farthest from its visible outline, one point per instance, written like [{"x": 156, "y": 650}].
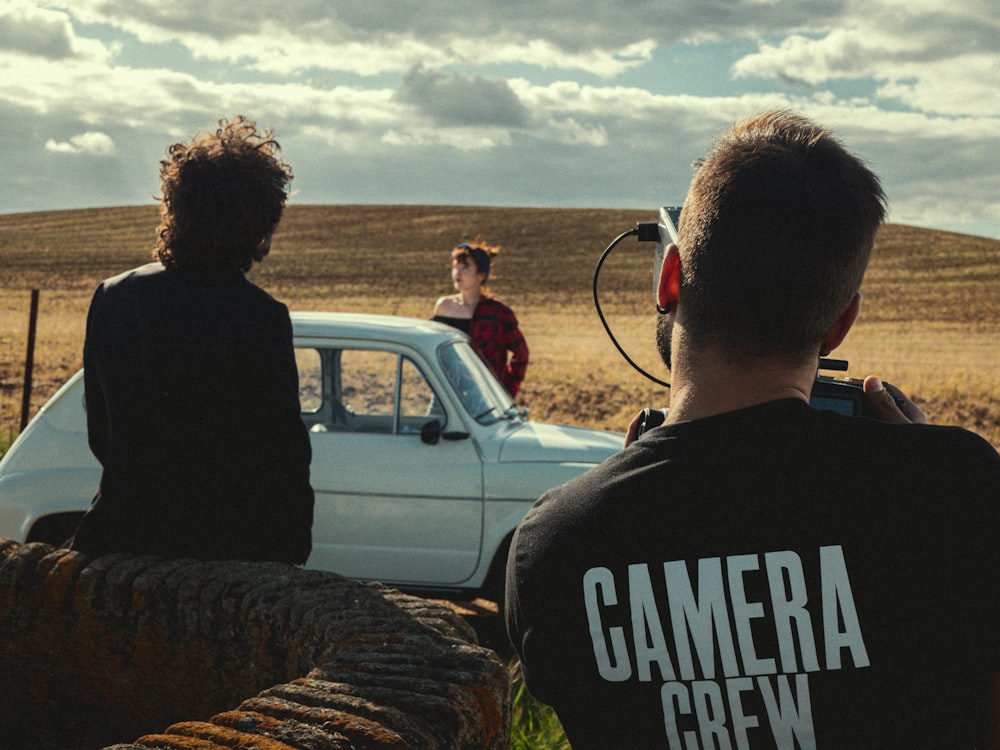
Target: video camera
[{"x": 842, "y": 395}]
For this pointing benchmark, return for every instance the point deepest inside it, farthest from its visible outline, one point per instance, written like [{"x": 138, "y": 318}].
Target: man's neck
[{"x": 711, "y": 382}]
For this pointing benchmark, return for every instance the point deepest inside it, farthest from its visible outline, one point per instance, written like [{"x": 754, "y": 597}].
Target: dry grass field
[{"x": 930, "y": 322}]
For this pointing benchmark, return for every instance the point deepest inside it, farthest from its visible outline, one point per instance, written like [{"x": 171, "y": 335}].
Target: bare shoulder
[{"x": 444, "y": 305}]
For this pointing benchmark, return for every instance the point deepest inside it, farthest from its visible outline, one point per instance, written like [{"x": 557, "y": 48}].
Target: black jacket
[{"x": 193, "y": 412}]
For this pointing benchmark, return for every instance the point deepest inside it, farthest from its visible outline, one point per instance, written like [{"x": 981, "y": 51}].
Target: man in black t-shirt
[{"x": 756, "y": 573}]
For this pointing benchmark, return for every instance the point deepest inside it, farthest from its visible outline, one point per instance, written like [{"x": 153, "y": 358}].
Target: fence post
[{"x": 29, "y": 361}]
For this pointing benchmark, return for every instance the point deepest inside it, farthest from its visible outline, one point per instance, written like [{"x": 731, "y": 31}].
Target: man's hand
[
  {"x": 890, "y": 404},
  {"x": 633, "y": 428}
]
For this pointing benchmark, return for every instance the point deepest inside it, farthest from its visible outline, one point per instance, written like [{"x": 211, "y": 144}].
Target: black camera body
[
  {"x": 841, "y": 395},
  {"x": 649, "y": 419}
]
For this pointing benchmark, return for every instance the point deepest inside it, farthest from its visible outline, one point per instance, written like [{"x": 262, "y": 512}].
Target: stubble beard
[{"x": 664, "y": 334}]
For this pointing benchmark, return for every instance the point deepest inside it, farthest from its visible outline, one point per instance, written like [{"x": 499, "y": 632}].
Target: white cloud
[
  {"x": 458, "y": 99},
  {"x": 559, "y": 103},
  {"x": 29, "y": 31},
  {"x": 284, "y": 52},
  {"x": 965, "y": 85},
  {"x": 34, "y": 31},
  {"x": 575, "y": 26},
  {"x": 90, "y": 143},
  {"x": 932, "y": 58},
  {"x": 842, "y": 53},
  {"x": 602, "y": 62},
  {"x": 461, "y": 139}
]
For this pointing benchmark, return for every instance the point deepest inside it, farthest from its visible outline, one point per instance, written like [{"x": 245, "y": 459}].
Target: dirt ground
[{"x": 488, "y": 623}]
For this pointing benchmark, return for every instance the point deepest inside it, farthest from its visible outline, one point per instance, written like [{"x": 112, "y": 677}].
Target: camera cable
[{"x": 600, "y": 312}]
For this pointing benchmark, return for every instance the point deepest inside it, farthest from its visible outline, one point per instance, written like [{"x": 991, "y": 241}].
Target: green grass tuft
[{"x": 534, "y": 726}]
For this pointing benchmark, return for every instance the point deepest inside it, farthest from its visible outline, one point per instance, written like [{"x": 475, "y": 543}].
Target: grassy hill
[{"x": 930, "y": 320}]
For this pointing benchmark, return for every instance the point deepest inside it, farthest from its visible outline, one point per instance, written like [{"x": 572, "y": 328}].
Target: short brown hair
[
  {"x": 775, "y": 236},
  {"x": 479, "y": 254},
  {"x": 223, "y": 195}
]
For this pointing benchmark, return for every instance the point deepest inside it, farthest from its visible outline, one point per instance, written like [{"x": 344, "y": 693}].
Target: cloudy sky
[{"x": 581, "y": 103}]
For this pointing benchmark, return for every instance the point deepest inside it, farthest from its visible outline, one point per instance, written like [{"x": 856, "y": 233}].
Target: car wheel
[{"x": 496, "y": 579}]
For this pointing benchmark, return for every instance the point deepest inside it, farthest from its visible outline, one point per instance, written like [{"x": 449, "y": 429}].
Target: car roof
[{"x": 372, "y": 326}]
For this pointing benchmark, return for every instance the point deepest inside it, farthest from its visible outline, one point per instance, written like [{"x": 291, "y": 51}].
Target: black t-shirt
[{"x": 775, "y": 577}]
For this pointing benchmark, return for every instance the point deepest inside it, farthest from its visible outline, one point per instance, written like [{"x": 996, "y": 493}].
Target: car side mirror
[{"x": 431, "y": 433}]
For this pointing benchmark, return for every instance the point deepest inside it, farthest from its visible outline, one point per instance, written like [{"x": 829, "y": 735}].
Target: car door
[{"x": 389, "y": 506}]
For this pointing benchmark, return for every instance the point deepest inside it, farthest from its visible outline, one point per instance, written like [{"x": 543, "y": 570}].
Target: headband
[{"x": 481, "y": 256}]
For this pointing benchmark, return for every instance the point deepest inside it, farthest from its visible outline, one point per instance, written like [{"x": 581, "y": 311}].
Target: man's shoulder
[
  {"x": 806, "y": 425},
  {"x": 956, "y": 448},
  {"x": 920, "y": 457},
  {"x": 154, "y": 282},
  {"x": 138, "y": 275},
  {"x": 141, "y": 282},
  {"x": 925, "y": 438},
  {"x": 265, "y": 298},
  {"x": 580, "y": 498}
]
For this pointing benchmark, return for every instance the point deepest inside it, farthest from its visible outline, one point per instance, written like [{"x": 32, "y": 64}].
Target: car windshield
[{"x": 481, "y": 393}]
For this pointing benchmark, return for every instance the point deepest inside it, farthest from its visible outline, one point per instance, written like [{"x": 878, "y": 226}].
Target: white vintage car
[{"x": 422, "y": 464}]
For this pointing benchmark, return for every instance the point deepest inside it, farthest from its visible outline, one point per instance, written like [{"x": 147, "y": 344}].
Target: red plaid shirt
[{"x": 494, "y": 333}]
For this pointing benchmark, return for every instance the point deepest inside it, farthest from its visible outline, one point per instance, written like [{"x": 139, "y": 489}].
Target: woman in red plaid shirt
[{"x": 491, "y": 325}]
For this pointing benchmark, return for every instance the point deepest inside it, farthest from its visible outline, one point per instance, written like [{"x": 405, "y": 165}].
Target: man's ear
[
  {"x": 668, "y": 290},
  {"x": 838, "y": 331}
]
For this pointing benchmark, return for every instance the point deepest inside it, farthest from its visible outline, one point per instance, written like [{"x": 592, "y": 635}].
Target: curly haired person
[{"x": 190, "y": 375}]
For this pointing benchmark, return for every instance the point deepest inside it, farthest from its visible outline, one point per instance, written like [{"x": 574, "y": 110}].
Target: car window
[
  {"x": 480, "y": 391},
  {"x": 368, "y": 382},
  {"x": 416, "y": 399},
  {"x": 310, "y": 380},
  {"x": 364, "y": 390}
]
